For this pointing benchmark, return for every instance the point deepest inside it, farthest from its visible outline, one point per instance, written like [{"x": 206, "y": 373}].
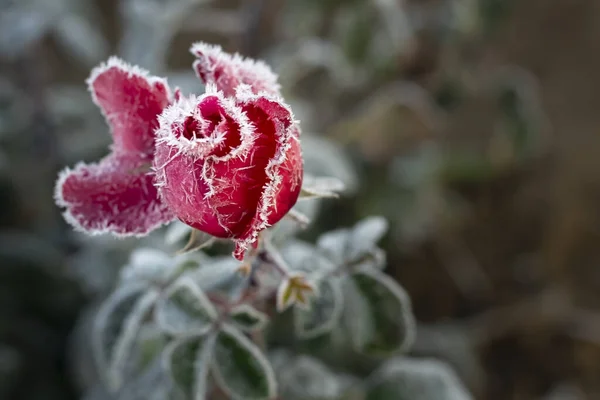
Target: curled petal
[
  {"x": 227, "y": 71},
  {"x": 115, "y": 196},
  {"x": 130, "y": 100}
]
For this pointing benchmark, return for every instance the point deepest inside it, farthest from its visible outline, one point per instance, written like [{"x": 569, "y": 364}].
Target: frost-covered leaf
[
  {"x": 355, "y": 247},
  {"x": 151, "y": 384},
  {"x": 325, "y": 158},
  {"x": 317, "y": 187},
  {"x": 220, "y": 274},
  {"x": 240, "y": 368},
  {"x": 248, "y": 318},
  {"x": 146, "y": 265},
  {"x": 303, "y": 257},
  {"x": 185, "y": 309},
  {"x": 378, "y": 313},
  {"x": 324, "y": 312},
  {"x": 375, "y": 259},
  {"x": 187, "y": 361},
  {"x": 116, "y": 328},
  {"x": 306, "y": 378},
  {"x": 403, "y": 378},
  {"x": 295, "y": 289},
  {"x": 151, "y": 342},
  {"x": 334, "y": 245},
  {"x": 154, "y": 267},
  {"x": 365, "y": 235}
]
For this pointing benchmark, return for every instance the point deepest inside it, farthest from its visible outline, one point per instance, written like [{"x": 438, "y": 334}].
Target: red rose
[
  {"x": 227, "y": 163},
  {"x": 230, "y": 167},
  {"x": 117, "y": 195}
]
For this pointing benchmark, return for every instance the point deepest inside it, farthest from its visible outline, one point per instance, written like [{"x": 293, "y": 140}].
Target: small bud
[{"x": 295, "y": 290}]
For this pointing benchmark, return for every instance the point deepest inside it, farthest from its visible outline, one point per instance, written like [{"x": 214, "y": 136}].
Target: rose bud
[
  {"x": 230, "y": 168},
  {"x": 117, "y": 194}
]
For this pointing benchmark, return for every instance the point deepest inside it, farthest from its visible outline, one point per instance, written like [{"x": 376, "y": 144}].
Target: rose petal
[
  {"x": 291, "y": 172},
  {"x": 130, "y": 100},
  {"x": 278, "y": 165},
  {"x": 228, "y": 71},
  {"x": 117, "y": 195}
]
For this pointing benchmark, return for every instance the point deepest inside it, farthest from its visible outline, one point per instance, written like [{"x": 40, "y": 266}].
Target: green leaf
[
  {"x": 151, "y": 343},
  {"x": 150, "y": 267},
  {"x": 323, "y": 157},
  {"x": 304, "y": 258},
  {"x": 220, "y": 274},
  {"x": 145, "y": 265},
  {"x": 241, "y": 369},
  {"x": 248, "y": 318},
  {"x": 365, "y": 235},
  {"x": 187, "y": 361},
  {"x": 116, "y": 328},
  {"x": 320, "y": 187},
  {"x": 334, "y": 245},
  {"x": 350, "y": 246},
  {"x": 150, "y": 384},
  {"x": 184, "y": 309},
  {"x": 324, "y": 312},
  {"x": 404, "y": 378},
  {"x": 304, "y": 377},
  {"x": 378, "y": 313}
]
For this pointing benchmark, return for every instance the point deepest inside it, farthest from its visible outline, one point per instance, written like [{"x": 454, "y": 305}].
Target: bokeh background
[{"x": 472, "y": 125}]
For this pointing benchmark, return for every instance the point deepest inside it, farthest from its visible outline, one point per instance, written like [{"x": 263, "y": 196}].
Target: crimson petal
[
  {"x": 116, "y": 195},
  {"x": 227, "y": 71},
  {"x": 130, "y": 100},
  {"x": 278, "y": 157}
]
